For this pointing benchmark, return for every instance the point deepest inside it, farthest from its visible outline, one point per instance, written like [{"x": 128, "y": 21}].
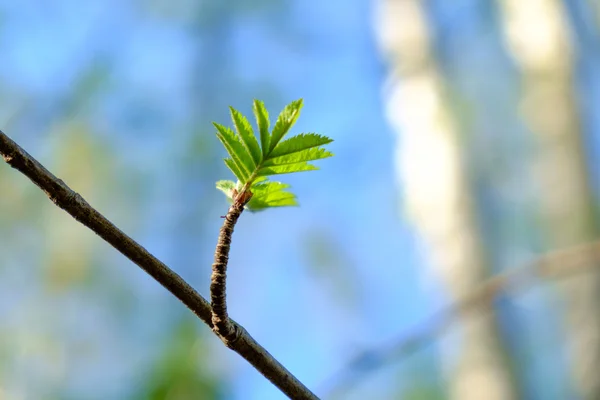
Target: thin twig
[
  {"x": 558, "y": 264},
  {"x": 79, "y": 209},
  {"x": 221, "y": 325}
]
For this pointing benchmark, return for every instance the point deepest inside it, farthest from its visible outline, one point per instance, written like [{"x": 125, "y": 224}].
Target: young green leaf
[
  {"x": 303, "y": 155},
  {"x": 244, "y": 131},
  {"x": 252, "y": 164},
  {"x": 226, "y": 187},
  {"x": 271, "y": 194},
  {"x": 265, "y": 187},
  {"x": 286, "y": 119},
  {"x": 237, "y": 151},
  {"x": 236, "y": 171},
  {"x": 262, "y": 120},
  {"x": 300, "y": 142},
  {"x": 282, "y": 201},
  {"x": 286, "y": 169}
]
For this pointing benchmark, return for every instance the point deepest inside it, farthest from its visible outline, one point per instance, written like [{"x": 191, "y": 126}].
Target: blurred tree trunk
[
  {"x": 436, "y": 190},
  {"x": 538, "y": 39},
  {"x": 595, "y": 7}
]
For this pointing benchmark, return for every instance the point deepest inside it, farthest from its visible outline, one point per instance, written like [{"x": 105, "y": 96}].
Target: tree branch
[
  {"x": 79, "y": 209},
  {"x": 218, "y": 280},
  {"x": 557, "y": 264}
]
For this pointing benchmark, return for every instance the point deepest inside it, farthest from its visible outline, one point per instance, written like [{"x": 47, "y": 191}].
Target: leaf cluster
[{"x": 253, "y": 163}]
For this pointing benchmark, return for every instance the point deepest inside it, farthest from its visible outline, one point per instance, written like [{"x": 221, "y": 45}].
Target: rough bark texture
[
  {"x": 218, "y": 281},
  {"x": 538, "y": 39},
  {"x": 437, "y": 194}
]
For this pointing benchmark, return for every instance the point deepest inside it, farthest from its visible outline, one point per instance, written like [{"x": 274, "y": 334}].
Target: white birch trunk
[
  {"x": 436, "y": 191},
  {"x": 537, "y": 37}
]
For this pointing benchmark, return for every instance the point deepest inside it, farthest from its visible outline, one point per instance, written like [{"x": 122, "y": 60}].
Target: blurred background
[{"x": 466, "y": 144}]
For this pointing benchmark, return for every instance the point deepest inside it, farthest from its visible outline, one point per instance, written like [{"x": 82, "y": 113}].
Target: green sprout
[{"x": 252, "y": 163}]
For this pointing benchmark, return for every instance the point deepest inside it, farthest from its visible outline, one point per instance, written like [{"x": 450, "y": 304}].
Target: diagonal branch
[{"x": 79, "y": 209}]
